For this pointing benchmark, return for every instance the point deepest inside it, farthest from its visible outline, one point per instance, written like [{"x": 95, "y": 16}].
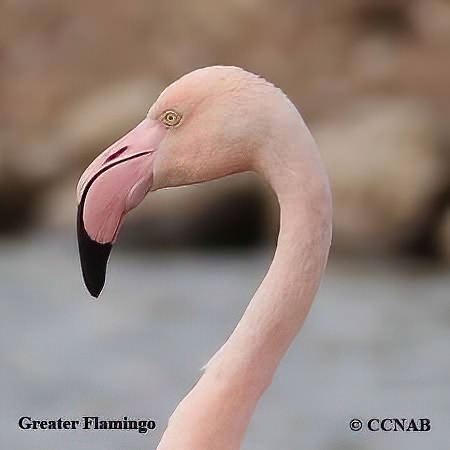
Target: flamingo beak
[{"x": 114, "y": 183}]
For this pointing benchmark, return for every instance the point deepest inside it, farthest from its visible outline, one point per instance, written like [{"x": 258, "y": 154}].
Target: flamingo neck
[
  {"x": 276, "y": 313},
  {"x": 237, "y": 375}
]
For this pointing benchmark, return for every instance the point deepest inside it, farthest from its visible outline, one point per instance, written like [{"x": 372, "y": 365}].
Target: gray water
[{"x": 375, "y": 345}]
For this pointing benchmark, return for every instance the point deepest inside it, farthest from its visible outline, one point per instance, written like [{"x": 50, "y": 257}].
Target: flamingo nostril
[{"x": 116, "y": 154}]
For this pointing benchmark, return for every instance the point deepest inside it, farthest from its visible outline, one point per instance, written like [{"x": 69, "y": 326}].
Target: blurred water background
[{"x": 370, "y": 78}]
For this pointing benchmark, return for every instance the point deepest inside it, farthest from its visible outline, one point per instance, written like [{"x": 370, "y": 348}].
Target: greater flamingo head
[{"x": 204, "y": 126}]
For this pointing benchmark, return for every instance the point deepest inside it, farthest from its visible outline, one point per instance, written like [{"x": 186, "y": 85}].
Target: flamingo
[{"x": 210, "y": 123}]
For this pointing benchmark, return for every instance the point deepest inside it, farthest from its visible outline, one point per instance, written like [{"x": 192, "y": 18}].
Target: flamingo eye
[{"x": 171, "y": 118}]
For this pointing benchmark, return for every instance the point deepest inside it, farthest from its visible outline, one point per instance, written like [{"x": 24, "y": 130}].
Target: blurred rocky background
[{"x": 371, "y": 78}]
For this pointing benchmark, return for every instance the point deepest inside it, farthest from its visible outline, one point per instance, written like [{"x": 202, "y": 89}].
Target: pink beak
[{"x": 114, "y": 183}]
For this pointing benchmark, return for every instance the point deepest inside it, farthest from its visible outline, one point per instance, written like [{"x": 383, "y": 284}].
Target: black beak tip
[
  {"x": 93, "y": 256},
  {"x": 94, "y": 287}
]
